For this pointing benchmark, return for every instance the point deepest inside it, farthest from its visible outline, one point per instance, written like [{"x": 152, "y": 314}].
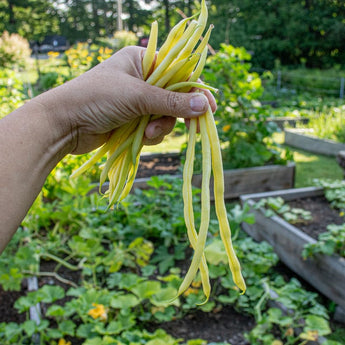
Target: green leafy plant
[
  {"x": 329, "y": 124},
  {"x": 14, "y": 50},
  {"x": 49, "y": 80},
  {"x": 12, "y": 92},
  {"x": 330, "y": 242},
  {"x": 334, "y": 191},
  {"x": 244, "y": 129},
  {"x": 127, "y": 266},
  {"x": 278, "y": 206},
  {"x": 294, "y": 309}
]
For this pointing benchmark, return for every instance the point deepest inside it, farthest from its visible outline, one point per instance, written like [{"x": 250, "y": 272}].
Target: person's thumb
[{"x": 162, "y": 102}]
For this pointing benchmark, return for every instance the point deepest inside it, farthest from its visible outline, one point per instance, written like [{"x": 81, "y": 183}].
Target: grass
[
  {"x": 310, "y": 166},
  {"x": 30, "y": 74},
  {"x": 171, "y": 143}
]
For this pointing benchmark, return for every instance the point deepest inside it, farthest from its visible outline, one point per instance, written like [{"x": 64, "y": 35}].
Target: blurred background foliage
[{"x": 309, "y": 32}]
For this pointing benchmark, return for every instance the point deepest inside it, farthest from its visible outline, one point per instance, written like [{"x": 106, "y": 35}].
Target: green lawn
[
  {"x": 310, "y": 166},
  {"x": 171, "y": 143}
]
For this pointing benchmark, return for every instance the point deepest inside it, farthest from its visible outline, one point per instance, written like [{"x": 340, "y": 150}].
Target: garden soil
[
  {"x": 225, "y": 325},
  {"x": 322, "y": 215},
  {"x": 7, "y": 311},
  {"x": 159, "y": 165}
]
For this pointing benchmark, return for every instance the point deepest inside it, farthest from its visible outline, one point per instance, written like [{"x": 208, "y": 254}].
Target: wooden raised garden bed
[
  {"x": 284, "y": 121},
  {"x": 305, "y": 140},
  {"x": 324, "y": 273},
  {"x": 237, "y": 181}
]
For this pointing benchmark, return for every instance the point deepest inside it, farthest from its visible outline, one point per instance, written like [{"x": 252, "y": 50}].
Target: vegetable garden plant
[{"x": 128, "y": 265}]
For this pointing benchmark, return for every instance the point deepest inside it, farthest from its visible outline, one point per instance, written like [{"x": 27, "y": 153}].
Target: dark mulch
[
  {"x": 322, "y": 215},
  {"x": 7, "y": 311},
  {"x": 159, "y": 165},
  {"x": 227, "y": 325}
]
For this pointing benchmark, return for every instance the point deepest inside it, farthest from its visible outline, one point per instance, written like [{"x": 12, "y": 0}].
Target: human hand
[{"x": 113, "y": 93}]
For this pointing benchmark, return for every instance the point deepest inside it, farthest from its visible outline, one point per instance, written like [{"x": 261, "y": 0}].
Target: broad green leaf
[
  {"x": 331, "y": 342},
  {"x": 50, "y": 293},
  {"x": 54, "y": 333},
  {"x": 148, "y": 270},
  {"x": 274, "y": 314},
  {"x": 124, "y": 301},
  {"x": 12, "y": 329},
  {"x": 164, "y": 296},
  {"x": 55, "y": 310},
  {"x": 67, "y": 327},
  {"x": 215, "y": 253},
  {"x": 317, "y": 323},
  {"x": 29, "y": 327},
  {"x": 93, "y": 341},
  {"x": 146, "y": 289},
  {"x": 227, "y": 299},
  {"x": 24, "y": 303},
  {"x": 44, "y": 324},
  {"x": 156, "y": 342},
  {"x": 85, "y": 331}
]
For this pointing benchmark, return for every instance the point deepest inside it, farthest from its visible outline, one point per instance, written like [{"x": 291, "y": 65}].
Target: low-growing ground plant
[
  {"x": 334, "y": 192},
  {"x": 278, "y": 206},
  {"x": 330, "y": 242},
  {"x": 127, "y": 265}
]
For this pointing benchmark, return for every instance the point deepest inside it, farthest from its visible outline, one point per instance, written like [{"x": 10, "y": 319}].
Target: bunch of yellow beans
[{"x": 177, "y": 67}]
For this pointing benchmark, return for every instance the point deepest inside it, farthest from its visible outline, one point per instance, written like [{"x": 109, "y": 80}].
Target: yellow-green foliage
[
  {"x": 82, "y": 57},
  {"x": 11, "y": 92},
  {"x": 124, "y": 39},
  {"x": 14, "y": 50}
]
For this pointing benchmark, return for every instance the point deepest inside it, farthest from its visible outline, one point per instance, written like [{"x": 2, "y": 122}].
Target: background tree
[
  {"x": 293, "y": 32},
  {"x": 137, "y": 16},
  {"x": 32, "y": 19}
]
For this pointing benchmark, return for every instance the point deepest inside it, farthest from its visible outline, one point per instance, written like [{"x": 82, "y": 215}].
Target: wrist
[{"x": 59, "y": 130}]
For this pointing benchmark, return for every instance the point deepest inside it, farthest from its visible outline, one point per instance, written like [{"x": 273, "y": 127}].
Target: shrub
[
  {"x": 329, "y": 124},
  {"x": 12, "y": 93},
  {"x": 14, "y": 50},
  {"x": 124, "y": 39},
  {"x": 50, "y": 80},
  {"x": 244, "y": 130}
]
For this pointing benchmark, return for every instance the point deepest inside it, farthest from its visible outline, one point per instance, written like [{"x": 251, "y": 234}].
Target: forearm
[
  {"x": 31, "y": 145},
  {"x": 77, "y": 117}
]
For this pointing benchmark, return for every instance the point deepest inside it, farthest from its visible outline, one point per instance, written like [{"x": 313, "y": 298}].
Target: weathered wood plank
[
  {"x": 287, "y": 194},
  {"x": 325, "y": 273},
  {"x": 257, "y": 179},
  {"x": 304, "y": 140},
  {"x": 242, "y": 181}
]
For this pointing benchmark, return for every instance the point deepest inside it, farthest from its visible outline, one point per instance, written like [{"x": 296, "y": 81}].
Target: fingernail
[{"x": 198, "y": 103}]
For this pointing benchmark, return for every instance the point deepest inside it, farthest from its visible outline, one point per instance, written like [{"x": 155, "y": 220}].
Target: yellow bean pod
[
  {"x": 151, "y": 50},
  {"x": 224, "y": 227},
  {"x": 188, "y": 205},
  {"x": 205, "y": 208}
]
